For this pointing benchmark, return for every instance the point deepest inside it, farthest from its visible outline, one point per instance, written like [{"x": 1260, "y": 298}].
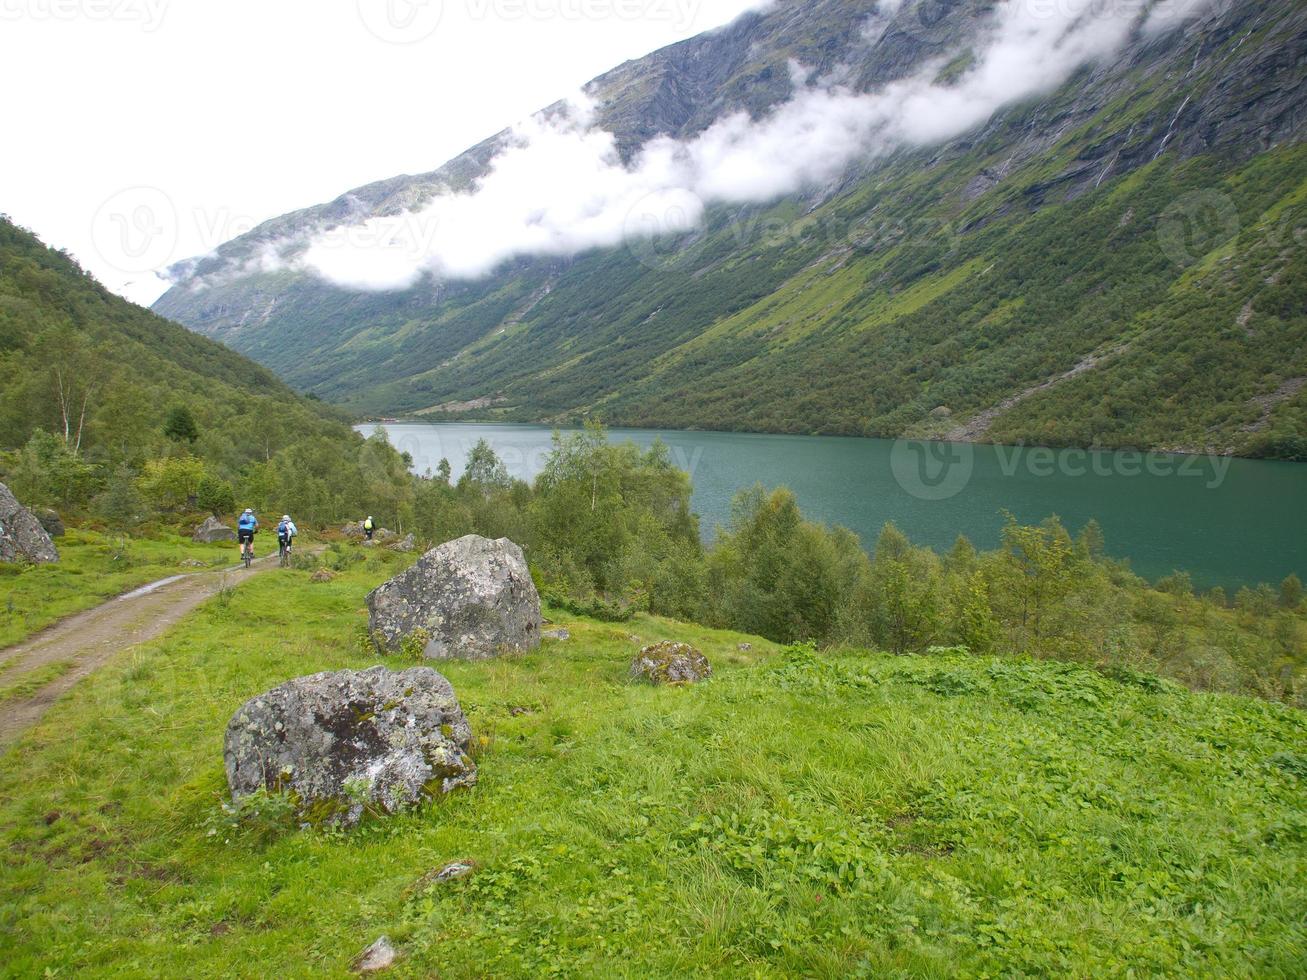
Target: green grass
[
  {"x": 27, "y": 683},
  {"x": 91, "y": 568},
  {"x": 851, "y": 814}
]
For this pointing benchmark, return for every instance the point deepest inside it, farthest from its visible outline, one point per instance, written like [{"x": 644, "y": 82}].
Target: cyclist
[
  {"x": 368, "y": 528},
  {"x": 286, "y": 532},
  {"x": 245, "y": 528}
]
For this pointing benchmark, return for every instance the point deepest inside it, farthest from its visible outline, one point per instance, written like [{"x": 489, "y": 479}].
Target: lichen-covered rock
[
  {"x": 322, "y": 575},
  {"x": 342, "y": 739},
  {"x": 407, "y": 543},
  {"x": 21, "y": 534},
  {"x": 471, "y": 598},
  {"x": 213, "y": 530},
  {"x": 51, "y": 521},
  {"x": 354, "y": 529},
  {"x": 670, "y": 662},
  {"x": 557, "y": 633}
]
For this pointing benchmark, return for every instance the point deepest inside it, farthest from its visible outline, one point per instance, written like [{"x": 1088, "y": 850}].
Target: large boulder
[
  {"x": 21, "y": 534},
  {"x": 407, "y": 543},
  {"x": 342, "y": 739},
  {"x": 670, "y": 662},
  {"x": 470, "y": 598},
  {"x": 213, "y": 530}
]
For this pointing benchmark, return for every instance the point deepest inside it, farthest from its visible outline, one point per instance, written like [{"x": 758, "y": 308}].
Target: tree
[
  {"x": 120, "y": 503},
  {"x": 172, "y": 483},
  {"x": 1291, "y": 592},
  {"x": 1091, "y": 541},
  {"x": 1040, "y": 566},
  {"x": 214, "y": 495},
  {"x": 484, "y": 471},
  {"x": 180, "y": 425}
]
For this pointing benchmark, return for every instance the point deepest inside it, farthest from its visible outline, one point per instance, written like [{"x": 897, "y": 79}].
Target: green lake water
[{"x": 1227, "y": 522}]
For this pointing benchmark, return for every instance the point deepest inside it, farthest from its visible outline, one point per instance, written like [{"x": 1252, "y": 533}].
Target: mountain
[{"x": 1088, "y": 234}]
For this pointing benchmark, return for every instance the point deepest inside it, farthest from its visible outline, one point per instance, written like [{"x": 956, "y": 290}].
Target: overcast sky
[{"x": 213, "y": 115}]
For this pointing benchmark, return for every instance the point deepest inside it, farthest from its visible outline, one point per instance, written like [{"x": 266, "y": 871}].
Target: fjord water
[{"x": 1228, "y": 522}]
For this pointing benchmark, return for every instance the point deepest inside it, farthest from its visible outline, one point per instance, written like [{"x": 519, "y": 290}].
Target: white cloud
[{"x": 560, "y": 187}]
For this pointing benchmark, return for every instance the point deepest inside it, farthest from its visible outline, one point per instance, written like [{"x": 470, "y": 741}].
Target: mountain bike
[
  {"x": 283, "y": 552},
  {"x": 247, "y": 553}
]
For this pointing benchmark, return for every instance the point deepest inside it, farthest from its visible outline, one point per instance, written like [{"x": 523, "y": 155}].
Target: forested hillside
[
  {"x": 1118, "y": 260},
  {"x": 101, "y": 400}
]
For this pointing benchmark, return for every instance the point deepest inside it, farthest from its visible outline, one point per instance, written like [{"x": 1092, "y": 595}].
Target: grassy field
[
  {"x": 800, "y": 814},
  {"x": 92, "y": 567}
]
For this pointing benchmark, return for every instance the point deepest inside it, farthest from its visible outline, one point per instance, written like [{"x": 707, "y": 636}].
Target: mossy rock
[{"x": 670, "y": 662}]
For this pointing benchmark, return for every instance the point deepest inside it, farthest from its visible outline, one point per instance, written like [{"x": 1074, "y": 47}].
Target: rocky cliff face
[{"x": 1191, "y": 114}]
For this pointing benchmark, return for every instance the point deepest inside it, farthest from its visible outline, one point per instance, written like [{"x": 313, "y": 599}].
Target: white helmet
[
  {"x": 249, "y": 510},
  {"x": 285, "y": 517}
]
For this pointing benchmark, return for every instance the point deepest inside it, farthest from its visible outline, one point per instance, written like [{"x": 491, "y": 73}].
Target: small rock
[
  {"x": 213, "y": 530},
  {"x": 379, "y": 956},
  {"x": 670, "y": 662},
  {"x": 354, "y": 529},
  {"x": 633, "y": 638},
  {"x": 407, "y": 543},
  {"x": 455, "y": 869},
  {"x": 192, "y": 563},
  {"x": 556, "y": 634},
  {"x": 518, "y": 709},
  {"x": 744, "y": 647},
  {"x": 322, "y": 575}
]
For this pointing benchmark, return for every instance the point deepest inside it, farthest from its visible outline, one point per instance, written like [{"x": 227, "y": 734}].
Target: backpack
[
  {"x": 283, "y": 530},
  {"x": 247, "y": 522}
]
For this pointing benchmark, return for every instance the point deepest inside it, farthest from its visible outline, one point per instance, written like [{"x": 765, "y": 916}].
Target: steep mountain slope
[
  {"x": 121, "y": 369},
  {"x": 1118, "y": 260}
]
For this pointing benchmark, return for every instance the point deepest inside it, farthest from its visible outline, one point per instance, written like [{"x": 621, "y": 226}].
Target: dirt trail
[{"x": 86, "y": 640}]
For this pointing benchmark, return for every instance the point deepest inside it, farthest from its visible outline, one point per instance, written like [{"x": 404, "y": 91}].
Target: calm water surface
[{"x": 1228, "y": 522}]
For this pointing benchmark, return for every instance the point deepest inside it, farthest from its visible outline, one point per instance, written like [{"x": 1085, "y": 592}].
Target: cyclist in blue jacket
[
  {"x": 286, "y": 531},
  {"x": 245, "y": 528}
]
